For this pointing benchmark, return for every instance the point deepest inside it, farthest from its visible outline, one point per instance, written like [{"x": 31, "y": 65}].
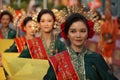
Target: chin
[
  {"x": 47, "y": 31},
  {"x": 79, "y": 44}
]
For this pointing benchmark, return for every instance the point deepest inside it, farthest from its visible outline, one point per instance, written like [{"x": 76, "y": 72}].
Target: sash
[
  {"x": 20, "y": 43},
  {"x": 1, "y": 36},
  {"x": 63, "y": 67},
  {"x": 36, "y": 48}
]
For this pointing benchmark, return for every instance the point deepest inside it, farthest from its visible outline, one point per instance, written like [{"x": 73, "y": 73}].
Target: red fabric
[
  {"x": 91, "y": 31},
  {"x": 1, "y": 36},
  {"x": 94, "y": 4},
  {"x": 22, "y": 27},
  {"x": 37, "y": 49},
  {"x": 106, "y": 28},
  {"x": 63, "y": 67},
  {"x": 62, "y": 31},
  {"x": 20, "y": 43}
]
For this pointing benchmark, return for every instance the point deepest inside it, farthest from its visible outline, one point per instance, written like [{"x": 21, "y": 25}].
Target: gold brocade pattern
[
  {"x": 78, "y": 62},
  {"x": 37, "y": 49},
  {"x": 51, "y": 49},
  {"x": 64, "y": 70},
  {"x": 5, "y": 33}
]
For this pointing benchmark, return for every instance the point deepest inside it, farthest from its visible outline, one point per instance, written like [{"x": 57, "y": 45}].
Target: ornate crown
[
  {"x": 9, "y": 9},
  {"x": 21, "y": 16},
  {"x": 63, "y": 14}
]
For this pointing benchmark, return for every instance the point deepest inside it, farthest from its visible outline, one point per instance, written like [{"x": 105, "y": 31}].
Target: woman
[
  {"x": 28, "y": 26},
  {"x": 47, "y": 44},
  {"x": 109, "y": 36},
  {"x": 78, "y": 62},
  {"x": 5, "y": 31}
]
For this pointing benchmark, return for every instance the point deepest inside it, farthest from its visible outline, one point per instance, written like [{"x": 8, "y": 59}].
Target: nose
[
  {"x": 46, "y": 23},
  {"x": 78, "y": 34}
]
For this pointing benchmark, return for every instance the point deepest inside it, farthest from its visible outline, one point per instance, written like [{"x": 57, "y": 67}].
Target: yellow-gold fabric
[
  {"x": 5, "y": 44},
  {"x": 2, "y": 75},
  {"x": 24, "y": 68}
]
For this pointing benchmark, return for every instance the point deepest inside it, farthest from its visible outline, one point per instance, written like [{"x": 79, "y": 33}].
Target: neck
[
  {"x": 5, "y": 28},
  {"x": 77, "y": 48},
  {"x": 29, "y": 37},
  {"x": 47, "y": 36}
]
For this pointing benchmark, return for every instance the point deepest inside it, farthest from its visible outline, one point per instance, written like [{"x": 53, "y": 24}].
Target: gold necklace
[
  {"x": 51, "y": 49},
  {"x": 5, "y": 33}
]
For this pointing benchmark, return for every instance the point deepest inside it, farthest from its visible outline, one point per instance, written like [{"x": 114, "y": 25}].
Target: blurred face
[
  {"x": 30, "y": 28},
  {"x": 77, "y": 34},
  {"x": 46, "y": 23},
  {"x": 5, "y": 20}
]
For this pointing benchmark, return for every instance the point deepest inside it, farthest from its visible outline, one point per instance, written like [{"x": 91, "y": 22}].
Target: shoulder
[
  {"x": 12, "y": 31},
  {"x": 94, "y": 55},
  {"x": 61, "y": 54},
  {"x": 58, "y": 58}
]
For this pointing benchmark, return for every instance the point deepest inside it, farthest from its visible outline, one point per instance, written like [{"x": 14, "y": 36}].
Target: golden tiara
[
  {"x": 21, "y": 16},
  {"x": 9, "y": 9},
  {"x": 63, "y": 14}
]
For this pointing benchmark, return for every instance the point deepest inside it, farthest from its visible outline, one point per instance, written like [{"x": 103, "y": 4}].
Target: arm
[
  {"x": 25, "y": 53},
  {"x": 60, "y": 46},
  {"x": 11, "y": 34},
  {"x": 50, "y": 74},
  {"x": 13, "y": 48},
  {"x": 103, "y": 69}
]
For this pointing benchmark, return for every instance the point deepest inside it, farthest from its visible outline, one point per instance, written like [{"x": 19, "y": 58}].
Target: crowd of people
[{"x": 68, "y": 61}]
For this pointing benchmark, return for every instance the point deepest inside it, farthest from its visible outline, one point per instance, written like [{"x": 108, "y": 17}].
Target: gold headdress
[
  {"x": 62, "y": 15},
  {"x": 18, "y": 21},
  {"x": 9, "y": 9},
  {"x": 34, "y": 17}
]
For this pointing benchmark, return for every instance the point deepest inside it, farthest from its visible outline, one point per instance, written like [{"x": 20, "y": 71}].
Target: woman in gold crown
[
  {"x": 5, "y": 31},
  {"x": 28, "y": 26},
  {"x": 78, "y": 62},
  {"x": 47, "y": 44}
]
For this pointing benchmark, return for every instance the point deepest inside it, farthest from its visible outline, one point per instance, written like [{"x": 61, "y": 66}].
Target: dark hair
[
  {"x": 74, "y": 18},
  {"x": 25, "y": 21},
  {"x": 6, "y": 13},
  {"x": 45, "y": 11}
]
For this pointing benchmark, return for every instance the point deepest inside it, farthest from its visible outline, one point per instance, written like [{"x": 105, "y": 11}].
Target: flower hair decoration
[
  {"x": 91, "y": 16},
  {"x": 18, "y": 21}
]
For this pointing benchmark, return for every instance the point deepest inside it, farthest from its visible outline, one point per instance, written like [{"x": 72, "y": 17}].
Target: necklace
[
  {"x": 51, "y": 49},
  {"x": 78, "y": 61},
  {"x": 5, "y": 33}
]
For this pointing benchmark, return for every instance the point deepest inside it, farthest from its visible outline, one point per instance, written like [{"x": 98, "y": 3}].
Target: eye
[
  {"x": 29, "y": 26},
  {"x": 83, "y": 30},
  {"x": 42, "y": 21},
  {"x": 72, "y": 31},
  {"x": 50, "y": 20}
]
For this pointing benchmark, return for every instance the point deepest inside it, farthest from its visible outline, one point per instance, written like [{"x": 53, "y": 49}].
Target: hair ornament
[{"x": 90, "y": 15}]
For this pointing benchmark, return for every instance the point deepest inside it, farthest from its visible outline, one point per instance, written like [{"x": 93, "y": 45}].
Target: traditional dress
[
  {"x": 109, "y": 33},
  {"x": 36, "y": 48},
  {"x": 18, "y": 45},
  {"x": 10, "y": 34},
  {"x": 85, "y": 65}
]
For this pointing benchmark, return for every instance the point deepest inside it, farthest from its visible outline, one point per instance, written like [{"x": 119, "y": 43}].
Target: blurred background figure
[
  {"x": 5, "y": 31},
  {"x": 109, "y": 34},
  {"x": 28, "y": 26}
]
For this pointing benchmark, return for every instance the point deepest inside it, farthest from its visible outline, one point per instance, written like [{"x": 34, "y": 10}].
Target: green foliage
[{"x": 23, "y": 5}]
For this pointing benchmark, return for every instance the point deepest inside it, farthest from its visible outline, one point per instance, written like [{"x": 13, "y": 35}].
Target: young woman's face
[
  {"x": 29, "y": 28},
  {"x": 46, "y": 23},
  {"x": 5, "y": 20},
  {"x": 77, "y": 34}
]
